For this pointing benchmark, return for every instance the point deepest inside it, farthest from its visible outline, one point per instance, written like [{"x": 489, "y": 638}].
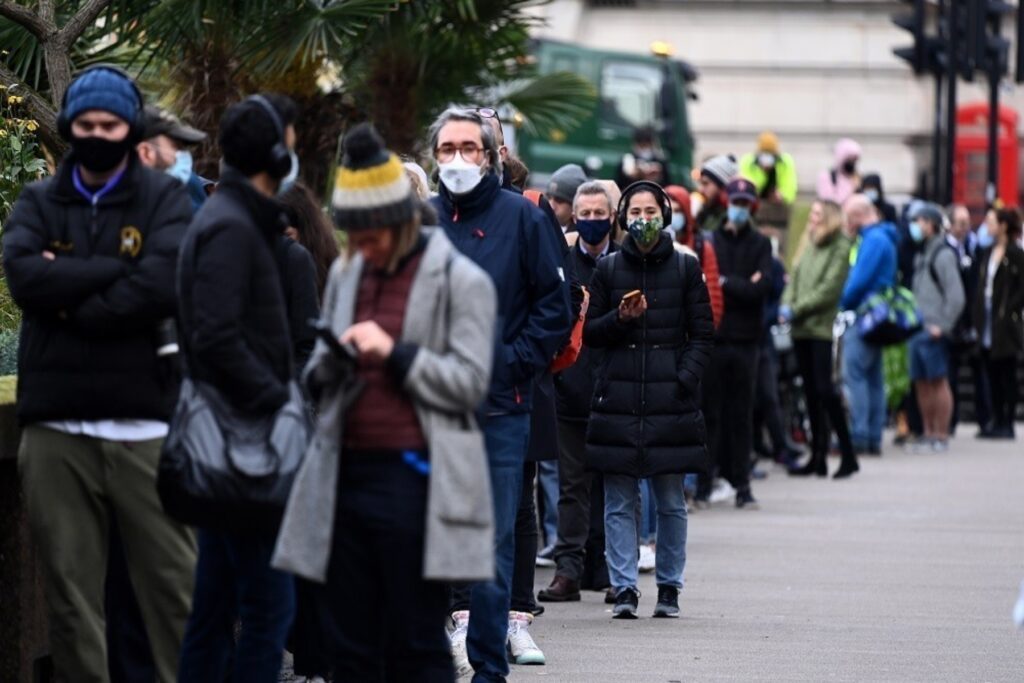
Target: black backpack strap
[{"x": 931, "y": 266}]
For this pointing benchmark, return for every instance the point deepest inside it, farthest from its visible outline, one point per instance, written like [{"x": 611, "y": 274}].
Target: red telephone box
[{"x": 970, "y": 168}]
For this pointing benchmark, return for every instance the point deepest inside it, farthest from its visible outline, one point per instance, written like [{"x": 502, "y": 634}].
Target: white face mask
[{"x": 460, "y": 176}]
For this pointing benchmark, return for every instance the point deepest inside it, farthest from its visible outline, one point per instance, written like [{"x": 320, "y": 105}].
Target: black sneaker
[
  {"x": 745, "y": 500},
  {"x": 626, "y": 604},
  {"x": 668, "y": 603}
]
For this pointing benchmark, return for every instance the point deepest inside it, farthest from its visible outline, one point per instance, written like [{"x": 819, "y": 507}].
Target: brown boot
[{"x": 562, "y": 589}]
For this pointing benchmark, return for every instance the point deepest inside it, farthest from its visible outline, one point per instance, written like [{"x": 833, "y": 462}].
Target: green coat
[{"x": 815, "y": 286}]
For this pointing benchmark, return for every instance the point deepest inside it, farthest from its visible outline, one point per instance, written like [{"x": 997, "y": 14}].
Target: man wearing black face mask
[
  {"x": 90, "y": 255},
  {"x": 579, "y": 552}
]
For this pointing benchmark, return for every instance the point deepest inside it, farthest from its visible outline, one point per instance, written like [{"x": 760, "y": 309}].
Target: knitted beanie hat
[
  {"x": 721, "y": 169},
  {"x": 768, "y": 142},
  {"x": 372, "y": 189},
  {"x": 104, "y": 89},
  {"x": 565, "y": 181}
]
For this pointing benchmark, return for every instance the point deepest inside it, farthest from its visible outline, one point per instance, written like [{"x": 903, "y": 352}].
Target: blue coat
[
  {"x": 509, "y": 237},
  {"x": 875, "y": 268}
]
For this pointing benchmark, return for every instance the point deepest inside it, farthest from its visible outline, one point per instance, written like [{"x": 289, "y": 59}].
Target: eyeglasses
[
  {"x": 487, "y": 112},
  {"x": 470, "y": 151}
]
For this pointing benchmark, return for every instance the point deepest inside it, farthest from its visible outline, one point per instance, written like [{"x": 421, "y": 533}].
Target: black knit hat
[{"x": 372, "y": 189}]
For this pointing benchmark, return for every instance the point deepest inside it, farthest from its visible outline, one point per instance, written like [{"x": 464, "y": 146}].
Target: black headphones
[
  {"x": 644, "y": 186},
  {"x": 137, "y": 126},
  {"x": 280, "y": 155}
]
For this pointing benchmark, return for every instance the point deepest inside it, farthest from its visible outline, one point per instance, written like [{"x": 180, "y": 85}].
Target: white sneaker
[
  {"x": 457, "y": 636},
  {"x": 647, "y": 559},
  {"x": 722, "y": 492},
  {"x": 524, "y": 649}
]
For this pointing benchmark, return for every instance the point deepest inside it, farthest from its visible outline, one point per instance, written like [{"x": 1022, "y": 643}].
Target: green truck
[{"x": 633, "y": 90}]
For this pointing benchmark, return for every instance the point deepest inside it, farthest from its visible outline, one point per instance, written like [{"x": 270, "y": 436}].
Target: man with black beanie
[{"x": 90, "y": 255}]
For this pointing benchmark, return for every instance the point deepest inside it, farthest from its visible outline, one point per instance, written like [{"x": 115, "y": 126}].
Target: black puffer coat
[{"x": 645, "y": 415}]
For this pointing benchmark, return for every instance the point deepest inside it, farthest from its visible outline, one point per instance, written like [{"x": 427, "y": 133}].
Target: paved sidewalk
[{"x": 907, "y": 572}]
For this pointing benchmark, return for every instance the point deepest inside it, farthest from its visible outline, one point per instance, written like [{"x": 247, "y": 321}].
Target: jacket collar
[
  {"x": 588, "y": 259},
  {"x": 266, "y": 213},
  {"x": 661, "y": 251},
  {"x": 63, "y": 189},
  {"x": 473, "y": 203}
]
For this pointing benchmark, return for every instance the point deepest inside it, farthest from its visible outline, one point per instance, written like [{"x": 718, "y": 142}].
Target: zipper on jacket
[
  {"x": 519, "y": 398},
  {"x": 94, "y": 202},
  {"x": 643, "y": 362}
]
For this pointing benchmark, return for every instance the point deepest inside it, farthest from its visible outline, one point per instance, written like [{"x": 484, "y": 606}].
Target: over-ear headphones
[
  {"x": 280, "y": 155},
  {"x": 644, "y": 186},
  {"x": 136, "y": 126}
]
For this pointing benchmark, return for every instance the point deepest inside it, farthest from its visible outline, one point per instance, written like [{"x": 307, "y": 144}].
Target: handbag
[
  {"x": 888, "y": 317},
  {"x": 222, "y": 467}
]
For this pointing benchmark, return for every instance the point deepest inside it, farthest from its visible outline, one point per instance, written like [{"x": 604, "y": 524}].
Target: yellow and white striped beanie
[{"x": 372, "y": 189}]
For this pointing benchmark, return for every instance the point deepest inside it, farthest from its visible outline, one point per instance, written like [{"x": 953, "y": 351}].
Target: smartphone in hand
[{"x": 324, "y": 332}]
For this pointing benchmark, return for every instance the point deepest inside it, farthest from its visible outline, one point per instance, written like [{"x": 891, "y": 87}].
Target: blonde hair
[{"x": 831, "y": 221}]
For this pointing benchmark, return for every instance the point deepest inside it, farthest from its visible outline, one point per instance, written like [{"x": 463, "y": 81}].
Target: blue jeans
[
  {"x": 506, "y": 437},
  {"x": 234, "y": 581},
  {"x": 547, "y": 481},
  {"x": 621, "y": 497},
  {"x": 648, "y": 514},
  {"x": 862, "y": 368}
]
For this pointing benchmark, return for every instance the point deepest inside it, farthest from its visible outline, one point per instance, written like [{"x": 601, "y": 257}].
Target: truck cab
[{"x": 633, "y": 91}]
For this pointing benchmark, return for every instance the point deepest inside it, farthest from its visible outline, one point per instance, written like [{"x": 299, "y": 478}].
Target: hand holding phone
[
  {"x": 632, "y": 306},
  {"x": 324, "y": 332}
]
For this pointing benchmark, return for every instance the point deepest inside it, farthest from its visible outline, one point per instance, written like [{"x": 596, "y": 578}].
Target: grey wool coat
[{"x": 450, "y": 316}]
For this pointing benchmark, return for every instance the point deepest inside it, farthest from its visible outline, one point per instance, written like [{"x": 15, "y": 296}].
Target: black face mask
[
  {"x": 849, "y": 167},
  {"x": 99, "y": 155}
]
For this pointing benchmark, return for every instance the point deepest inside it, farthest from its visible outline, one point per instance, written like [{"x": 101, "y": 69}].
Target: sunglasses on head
[{"x": 487, "y": 113}]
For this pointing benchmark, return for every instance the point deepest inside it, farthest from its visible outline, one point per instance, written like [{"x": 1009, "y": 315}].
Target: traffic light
[
  {"x": 994, "y": 55},
  {"x": 917, "y": 55}
]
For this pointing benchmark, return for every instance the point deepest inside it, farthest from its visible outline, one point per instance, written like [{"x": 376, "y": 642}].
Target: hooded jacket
[
  {"x": 875, "y": 267},
  {"x": 700, "y": 244},
  {"x": 785, "y": 175},
  {"x": 886, "y": 210},
  {"x": 514, "y": 243},
  {"x": 89, "y": 331},
  {"x": 833, "y": 184},
  {"x": 816, "y": 284},
  {"x": 645, "y": 414},
  {"x": 938, "y": 287}
]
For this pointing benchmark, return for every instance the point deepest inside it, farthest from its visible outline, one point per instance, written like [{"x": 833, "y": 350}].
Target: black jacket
[
  {"x": 232, "y": 312},
  {"x": 88, "y": 336},
  {"x": 298, "y": 281},
  {"x": 740, "y": 255},
  {"x": 1007, "y": 302},
  {"x": 645, "y": 414},
  {"x": 574, "y": 386}
]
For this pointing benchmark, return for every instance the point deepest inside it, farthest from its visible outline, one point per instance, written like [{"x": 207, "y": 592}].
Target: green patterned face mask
[{"x": 646, "y": 232}]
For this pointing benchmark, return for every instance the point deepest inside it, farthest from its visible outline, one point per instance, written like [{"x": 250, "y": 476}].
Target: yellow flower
[
  {"x": 32, "y": 126},
  {"x": 3, "y": 132},
  {"x": 15, "y": 99}
]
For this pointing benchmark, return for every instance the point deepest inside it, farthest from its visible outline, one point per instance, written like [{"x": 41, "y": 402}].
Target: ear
[{"x": 145, "y": 150}]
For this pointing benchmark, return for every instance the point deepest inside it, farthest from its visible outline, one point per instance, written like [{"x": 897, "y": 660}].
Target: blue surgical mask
[
  {"x": 678, "y": 223},
  {"x": 646, "y": 232},
  {"x": 738, "y": 215},
  {"x": 289, "y": 180},
  {"x": 182, "y": 166},
  {"x": 985, "y": 238},
  {"x": 916, "y": 233},
  {"x": 871, "y": 194}
]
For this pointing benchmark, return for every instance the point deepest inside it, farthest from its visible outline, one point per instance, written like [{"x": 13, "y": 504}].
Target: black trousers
[
  {"x": 390, "y": 622},
  {"x": 579, "y": 553},
  {"x": 767, "y": 407},
  {"x": 982, "y": 392},
  {"x": 824, "y": 407},
  {"x": 525, "y": 565},
  {"x": 730, "y": 415},
  {"x": 1002, "y": 377}
]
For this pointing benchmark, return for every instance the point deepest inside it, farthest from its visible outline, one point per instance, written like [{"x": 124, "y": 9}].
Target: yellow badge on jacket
[{"x": 131, "y": 241}]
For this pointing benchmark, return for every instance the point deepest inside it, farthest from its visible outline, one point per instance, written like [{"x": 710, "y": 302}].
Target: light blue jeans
[
  {"x": 621, "y": 498},
  {"x": 547, "y": 485},
  {"x": 862, "y": 370}
]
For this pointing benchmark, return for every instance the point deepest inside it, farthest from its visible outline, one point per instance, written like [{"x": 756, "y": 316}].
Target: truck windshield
[{"x": 631, "y": 93}]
